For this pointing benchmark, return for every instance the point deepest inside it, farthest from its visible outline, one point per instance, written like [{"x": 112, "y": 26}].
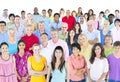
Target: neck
[
  {"x": 55, "y": 40},
  {"x": 44, "y": 16},
  {"x": 57, "y": 21},
  {"x": 44, "y": 44},
  {"x": 2, "y": 31},
  {"x": 98, "y": 56},
  {"x": 21, "y": 52}
]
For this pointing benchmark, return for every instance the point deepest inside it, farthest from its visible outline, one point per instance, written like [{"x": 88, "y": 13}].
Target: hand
[
  {"x": 24, "y": 79},
  {"x": 98, "y": 80},
  {"x": 80, "y": 71}
]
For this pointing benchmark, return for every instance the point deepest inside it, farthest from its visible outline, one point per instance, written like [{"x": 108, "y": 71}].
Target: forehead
[{"x": 36, "y": 47}]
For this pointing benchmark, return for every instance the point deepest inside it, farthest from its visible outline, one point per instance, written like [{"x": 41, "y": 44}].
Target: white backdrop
[{"x": 16, "y": 6}]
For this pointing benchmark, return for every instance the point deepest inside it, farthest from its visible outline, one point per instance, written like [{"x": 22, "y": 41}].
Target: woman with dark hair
[
  {"x": 58, "y": 66},
  {"x": 21, "y": 62},
  {"x": 77, "y": 29},
  {"x": 70, "y": 40},
  {"x": 90, "y": 13},
  {"x": 97, "y": 65},
  {"x": 7, "y": 65},
  {"x": 76, "y": 64}
]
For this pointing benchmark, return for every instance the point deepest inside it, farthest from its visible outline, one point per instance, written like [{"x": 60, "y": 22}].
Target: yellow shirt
[
  {"x": 37, "y": 67},
  {"x": 51, "y": 18},
  {"x": 87, "y": 52}
]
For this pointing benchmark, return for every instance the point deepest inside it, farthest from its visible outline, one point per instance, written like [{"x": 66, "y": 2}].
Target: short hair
[
  {"x": 117, "y": 10},
  {"x": 116, "y": 20},
  {"x": 56, "y": 14},
  {"x": 116, "y": 43},
  {"x": 49, "y": 10},
  {"x": 101, "y": 12},
  {"x": 111, "y": 15},
  {"x": 41, "y": 22},
  {"x": 44, "y": 10},
  {"x": 17, "y": 16},
  {"x": 76, "y": 45},
  {"x": 22, "y": 11},
  {"x": 44, "y": 34},
  {"x": 3, "y": 22},
  {"x": 3, "y": 43},
  {"x": 10, "y": 15}
]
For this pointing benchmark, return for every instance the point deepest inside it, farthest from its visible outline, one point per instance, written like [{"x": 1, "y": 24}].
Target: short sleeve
[
  {"x": 44, "y": 59},
  {"x": 106, "y": 65},
  {"x": 30, "y": 59},
  {"x": 88, "y": 64}
]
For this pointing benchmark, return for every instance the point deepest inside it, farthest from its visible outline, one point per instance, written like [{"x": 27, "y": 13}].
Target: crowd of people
[{"x": 67, "y": 46}]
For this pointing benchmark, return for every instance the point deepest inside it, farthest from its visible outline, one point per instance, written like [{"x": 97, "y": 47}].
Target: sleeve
[
  {"x": 44, "y": 59},
  {"x": 88, "y": 65},
  {"x": 106, "y": 65},
  {"x": 66, "y": 51},
  {"x": 30, "y": 59}
]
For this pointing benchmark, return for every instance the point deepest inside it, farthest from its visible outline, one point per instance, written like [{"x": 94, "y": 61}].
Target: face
[
  {"x": 67, "y": 13},
  {"x": 117, "y": 49},
  {"x": 117, "y": 23},
  {"x": 5, "y": 13},
  {"x": 75, "y": 51},
  {"x": 23, "y": 14},
  {"x": 44, "y": 38},
  {"x": 82, "y": 40},
  {"x": 54, "y": 35},
  {"x": 56, "y": 18},
  {"x": 111, "y": 18},
  {"x": 41, "y": 26},
  {"x": 64, "y": 27},
  {"x": 35, "y": 10},
  {"x": 108, "y": 40},
  {"x": 97, "y": 50},
  {"x": 77, "y": 26},
  {"x": 12, "y": 33},
  {"x": 2, "y": 26},
  {"x": 72, "y": 33},
  {"x": 17, "y": 20},
  {"x": 4, "y": 49},
  {"x": 29, "y": 31},
  {"x": 58, "y": 54},
  {"x": 90, "y": 27},
  {"x": 12, "y": 18},
  {"x": 21, "y": 45},
  {"x": 81, "y": 19},
  {"x": 36, "y": 50},
  {"x": 44, "y": 13},
  {"x": 116, "y": 13},
  {"x": 90, "y": 12},
  {"x": 29, "y": 16},
  {"x": 79, "y": 9},
  {"x": 50, "y": 12}
]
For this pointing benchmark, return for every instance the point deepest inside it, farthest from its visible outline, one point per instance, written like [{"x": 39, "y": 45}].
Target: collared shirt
[
  {"x": 51, "y": 18},
  {"x": 4, "y": 19},
  {"x": 22, "y": 21},
  {"x": 98, "y": 67},
  {"x": 35, "y": 17},
  {"x": 70, "y": 21},
  {"x": 9, "y": 25},
  {"x": 56, "y": 25},
  {"x": 47, "y": 53},
  {"x": 115, "y": 34},
  {"x": 61, "y": 43},
  {"x": 83, "y": 26},
  {"x": 3, "y": 37},
  {"x": 63, "y": 37},
  {"x": 76, "y": 63}
]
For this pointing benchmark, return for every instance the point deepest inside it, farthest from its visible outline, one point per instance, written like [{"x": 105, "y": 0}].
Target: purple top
[
  {"x": 21, "y": 63},
  {"x": 114, "y": 72}
]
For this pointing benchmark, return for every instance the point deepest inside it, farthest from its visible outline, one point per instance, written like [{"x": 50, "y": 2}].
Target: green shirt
[
  {"x": 108, "y": 52},
  {"x": 63, "y": 37}
]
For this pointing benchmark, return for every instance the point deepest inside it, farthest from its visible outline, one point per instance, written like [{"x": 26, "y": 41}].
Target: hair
[
  {"x": 69, "y": 36},
  {"x": 117, "y": 10},
  {"x": 49, "y": 10},
  {"x": 3, "y": 22},
  {"x": 44, "y": 34},
  {"x": 111, "y": 15},
  {"x": 10, "y": 15},
  {"x": 106, "y": 22},
  {"x": 89, "y": 13},
  {"x": 35, "y": 45},
  {"x": 20, "y": 41},
  {"x": 62, "y": 10},
  {"x": 80, "y": 30},
  {"x": 76, "y": 45},
  {"x": 73, "y": 12},
  {"x": 101, "y": 12},
  {"x": 81, "y": 11},
  {"x": 116, "y": 43},
  {"x": 93, "y": 54},
  {"x": 17, "y": 16},
  {"x": 4, "y": 43},
  {"x": 62, "y": 60},
  {"x": 22, "y": 11},
  {"x": 56, "y": 14},
  {"x": 41, "y": 22},
  {"x": 109, "y": 37},
  {"x": 44, "y": 10},
  {"x": 116, "y": 20}
]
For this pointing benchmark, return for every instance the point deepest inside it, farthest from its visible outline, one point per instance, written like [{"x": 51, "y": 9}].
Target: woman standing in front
[
  {"x": 21, "y": 62},
  {"x": 97, "y": 65},
  {"x": 76, "y": 65},
  {"x": 7, "y": 65},
  {"x": 58, "y": 66},
  {"x": 37, "y": 66}
]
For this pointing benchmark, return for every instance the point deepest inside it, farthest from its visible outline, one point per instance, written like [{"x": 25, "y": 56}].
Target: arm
[
  {"x": 67, "y": 71},
  {"x": 88, "y": 72},
  {"x": 93, "y": 41},
  {"x": 101, "y": 77},
  {"x": 48, "y": 74}
]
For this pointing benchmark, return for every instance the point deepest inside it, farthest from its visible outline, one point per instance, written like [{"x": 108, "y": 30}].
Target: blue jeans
[
  {"x": 112, "y": 80},
  {"x": 78, "y": 81}
]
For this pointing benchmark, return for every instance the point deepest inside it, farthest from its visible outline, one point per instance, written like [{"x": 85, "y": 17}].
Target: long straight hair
[
  {"x": 20, "y": 41},
  {"x": 93, "y": 54},
  {"x": 62, "y": 60}
]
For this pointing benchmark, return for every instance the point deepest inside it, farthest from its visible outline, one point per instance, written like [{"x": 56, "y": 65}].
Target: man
[
  {"x": 50, "y": 14},
  {"x": 23, "y": 17},
  {"x": 4, "y": 16},
  {"x": 70, "y": 20}
]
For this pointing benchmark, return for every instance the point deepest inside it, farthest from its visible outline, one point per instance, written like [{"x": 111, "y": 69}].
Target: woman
[
  {"x": 71, "y": 39},
  {"x": 97, "y": 65},
  {"x": 86, "y": 17},
  {"x": 104, "y": 31},
  {"x": 37, "y": 66},
  {"x": 114, "y": 63},
  {"x": 7, "y": 65},
  {"x": 90, "y": 13},
  {"x": 12, "y": 41},
  {"x": 77, "y": 29},
  {"x": 108, "y": 45},
  {"x": 76, "y": 65},
  {"x": 85, "y": 46},
  {"x": 58, "y": 66},
  {"x": 21, "y": 62},
  {"x": 30, "y": 39}
]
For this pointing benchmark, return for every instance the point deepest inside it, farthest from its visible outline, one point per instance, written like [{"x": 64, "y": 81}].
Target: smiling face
[
  {"x": 75, "y": 51},
  {"x": 2, "y": 27},
  {"x": 108, "y": 40},
  {"x": 36, "y": 49},
  {"x": 4, "y": 48},
  {"x": 21, "y": 46},
  {"x": 98, "y": 51},
  {"x": 82, "y": 39},
  {"x": 11, "y": 33},
  {"x": 29, "y": 31},
  {"x": 58, "y": 54}
]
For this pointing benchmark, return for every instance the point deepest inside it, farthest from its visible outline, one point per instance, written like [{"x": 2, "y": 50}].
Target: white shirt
[
  {"x": 99, "y": 67},
  {"x": 4, "y": 19},
  {"x": 47, "y": 53}
]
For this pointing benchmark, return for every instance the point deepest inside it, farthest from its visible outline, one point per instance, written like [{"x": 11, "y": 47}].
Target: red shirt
[
  {"x": 30, "y": 41},
  {"x": 70, "y": 21}
]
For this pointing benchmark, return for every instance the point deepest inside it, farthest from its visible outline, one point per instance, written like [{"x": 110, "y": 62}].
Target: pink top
[
  {"x": 61, "y": 43},
  {"x": 75, "y": 64},
  {"x": 7, "y": 72}
]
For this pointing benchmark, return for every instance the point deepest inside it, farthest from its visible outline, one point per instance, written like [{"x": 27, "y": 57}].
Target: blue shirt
[
  {"x": 12, "y": 47},
  {"x": 3, "y": 37},
  {"x": 111, "y": 26},
  {"x": 56, "y": 25},
  {"x": 47, "y": 22}
]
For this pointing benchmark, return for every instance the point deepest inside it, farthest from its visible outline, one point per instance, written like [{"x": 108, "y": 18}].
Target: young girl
[
  {"x": 58, "y": 66},
  {"x": 7, "y": 65},
  {"x": 97, "y": 65}
]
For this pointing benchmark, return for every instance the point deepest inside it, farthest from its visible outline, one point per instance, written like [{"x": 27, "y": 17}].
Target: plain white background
[{"x": 16, "y": 6}]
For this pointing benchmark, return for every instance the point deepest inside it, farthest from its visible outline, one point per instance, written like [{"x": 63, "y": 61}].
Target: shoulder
[
  {"x": 43, "y": 58},
  {"x": 30, "y": 58}
]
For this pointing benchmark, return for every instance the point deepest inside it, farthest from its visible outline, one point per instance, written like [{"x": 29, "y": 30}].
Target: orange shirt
[{"x": 76, "y": 63}]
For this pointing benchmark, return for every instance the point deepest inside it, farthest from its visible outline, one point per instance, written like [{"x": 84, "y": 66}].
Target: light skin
[
  {"x": 64, "y": 28},
  {"x": 12, "y": 38},
  {"x": 12, "y": 18},
  {"x": 2, "y": 27},
  {"x": 108, "y": 43},
  {"x": 56, "y": 18},
  {"x": 117, "y": 51},
  {"x": 44, "y": 40},
  {"x": 29, "y": 31},
  {"x": 41, "y": 27},
  {"x": 54, "y": 35}
]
